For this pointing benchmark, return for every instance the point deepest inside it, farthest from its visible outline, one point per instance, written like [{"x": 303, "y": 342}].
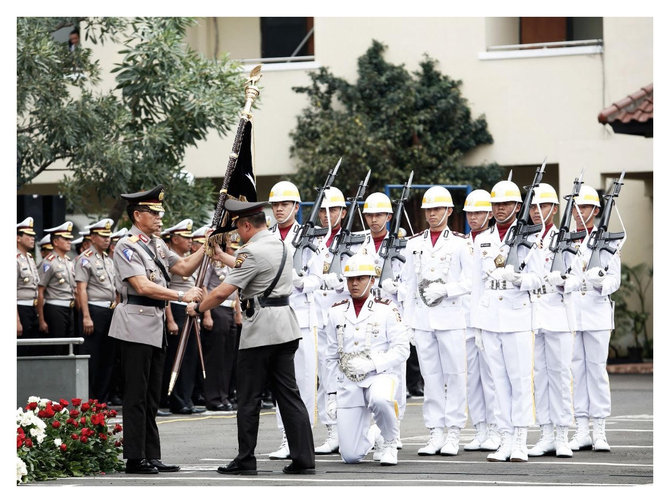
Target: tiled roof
[{"x": 636, "y": 107}]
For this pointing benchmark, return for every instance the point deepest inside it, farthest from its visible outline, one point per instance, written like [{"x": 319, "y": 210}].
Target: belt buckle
[
  {"x": 71, "y": 303},
  {"x": 34, "y": 302},
  {"x": 112, "y": 305}
]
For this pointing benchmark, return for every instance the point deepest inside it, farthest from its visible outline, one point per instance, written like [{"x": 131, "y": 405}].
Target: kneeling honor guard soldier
[
  {"x": 27, "y": 279},
  {"x": 263, "y": 272},
  {"x": 142, "y": 262}
]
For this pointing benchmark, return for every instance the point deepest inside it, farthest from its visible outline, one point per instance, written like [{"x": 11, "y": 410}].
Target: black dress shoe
[
  {"x": 234, "y": 468},
  {"x": 162, "y": 467},
  {"x": 294, "y": 469},
  {"x": 183, "y": 410},
  {"x": 216, "y": 408},
  {"x": 266, "y": 404},
  {"x": 228, "y": 405},
  {"x": 140, "y": 466},
  {"x": 197, "y": 410},
  {"x": 163, "y": 413}
]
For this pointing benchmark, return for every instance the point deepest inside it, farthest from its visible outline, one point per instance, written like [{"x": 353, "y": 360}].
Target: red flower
[
  {"x": 57, "y": 407},
  {"x": 117, "y": 444},
  {"x": 117, "y": 428},
  {"x": 103, "y": 405},
  {"x": 32, "y": 406},
  {"x": 102, "y": 436},
  {"x": 76, "y": 402},
  {"x": 85, "y": 407},
  {"x": 74, "y": 413},
  {"x": 71, "y": 421},
  {"x": 83, "y": 420},
  {"x": 41, "y": 413},
  {"x": 84, "y": 439},
  {"x": 98, "y": 419},
  {"x": 74, "y": 436},
  {"x": 20, "y": 431},
  {"x": 63, "y": 447},
  {"x": 63, "y": 402},
  {"x": 55, "y": 424},
  {"x": 19, "y": 442},
  {"x": 29, "y": 442},
  {"x": 112, "y": 413}
]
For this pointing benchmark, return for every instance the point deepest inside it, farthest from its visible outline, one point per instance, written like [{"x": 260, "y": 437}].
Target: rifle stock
[
  {"x": 392, "y": 244},
  {"x": 600, "y": 239},
  {"x": 563, "y": 239}
]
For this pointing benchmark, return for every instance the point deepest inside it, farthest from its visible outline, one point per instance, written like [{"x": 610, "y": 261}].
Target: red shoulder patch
[
  {"x": 380, "y": 300},
  {"x": 50, "y": 257},
  {"x": 344, "y": 301},
  {"x": 88, "y": 252}
]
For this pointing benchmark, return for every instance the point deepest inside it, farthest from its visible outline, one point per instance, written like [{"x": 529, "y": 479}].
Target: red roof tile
[{"x": 638, "y": 107}]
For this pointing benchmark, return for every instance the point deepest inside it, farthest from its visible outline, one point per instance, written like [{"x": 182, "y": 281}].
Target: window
[
  {"x": 287, "y": 37},
  {"x": 533, "y": 30}
]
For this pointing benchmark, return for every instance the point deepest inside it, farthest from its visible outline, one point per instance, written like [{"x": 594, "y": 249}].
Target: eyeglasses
[{"x": 154, "y": 213}]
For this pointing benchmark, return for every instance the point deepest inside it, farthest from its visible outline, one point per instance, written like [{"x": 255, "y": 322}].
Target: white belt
[
  {"x": 493, "y": 284},
  {"x": 180, "y": 303},
  {"x": 228, "y": 303},
  {"x": 32, "y": 302},
  {"x": 101, "y": 303},
  {"x": 61, "y": 303}
]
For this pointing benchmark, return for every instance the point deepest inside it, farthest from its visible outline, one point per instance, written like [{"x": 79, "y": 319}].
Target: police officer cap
[
  {"x": 152, "y": 199},
  {"x": 199, "y": 234},
  {"x": 102, "y": 228},
  {"x": 119, "y": 234},
  {"x": 45, "y": 242},
  {"x": 78, "y": 241},
  {"x": 64, "y": 230},
  {"x": 26, "y": 226},
  {"x": 183, "y": 229},
  {"x": 240, "y": 209}
]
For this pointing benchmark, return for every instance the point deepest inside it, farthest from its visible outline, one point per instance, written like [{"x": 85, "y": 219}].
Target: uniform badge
[
  {"x": 240, "y": 260},
  {"x": 152, "y": 276},
  {"x": 46, "y": 267},
  {"x": 26, "y": 280},
  {"x": 499, "y": 261},
  {"x": 128, "y": 253},
  {"x": 144, "y": 238},
  {"x": 84, "y": 262},
  {"x": 161, "y": 253},
  {"x": 102, "y": 277},
  {"x": 378, "y": 271},
  {"x": 61, "y": 281},
  {"x": 326, "y": 267}
]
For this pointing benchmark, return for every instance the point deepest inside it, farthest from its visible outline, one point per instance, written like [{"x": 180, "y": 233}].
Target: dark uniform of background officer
[
  {"x": 269, "y": 340},
  {"x": 141, "y": 261},
  {"x": 27, "y": 278}
]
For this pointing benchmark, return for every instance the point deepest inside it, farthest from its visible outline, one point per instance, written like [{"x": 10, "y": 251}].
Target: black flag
[{"x": 243, "y": 182}]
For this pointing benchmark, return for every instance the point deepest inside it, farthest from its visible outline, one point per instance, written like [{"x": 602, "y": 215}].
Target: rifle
[
  {"x": 599, "y": 239},
  {"x": 342, "y": 243},
  {"x": 519, "y": 233},
  {"x": 563, "y": 239},
  {"x": 251, "y": 93},
  {"x": 392, "y": 244},
  {"x": 308, "y": 231}
]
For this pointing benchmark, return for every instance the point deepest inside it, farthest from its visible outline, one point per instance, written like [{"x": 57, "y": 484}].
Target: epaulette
[
  {"x": 67, "y": 257},
  {"x": 343, "y": 301},
  {"x": 133, "y": 239},
  {"x": 273, "y": 228},
  {"x": 50, "y": 257},
  {"x": 88, "y": 252},
  {"x": 462, "y": 236},
  {"x": 380, "y": 300}
]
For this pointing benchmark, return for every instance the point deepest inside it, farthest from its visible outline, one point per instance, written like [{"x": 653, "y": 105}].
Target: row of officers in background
[
  {"x": 508, "y": 349},
  {"x": 63, "y": 297}
]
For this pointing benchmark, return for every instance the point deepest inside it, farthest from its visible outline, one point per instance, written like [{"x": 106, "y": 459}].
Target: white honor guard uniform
[
  {"x": 435, "y": 277},
  {"x": 364, "y": 356},
  {"x": 304, "y": 306},
  {"x": 481, "y": 398},
  {"x": 553, "y": 345},
  {"x": 594, "y": 322},
  {"x": 501, "y": 309}
]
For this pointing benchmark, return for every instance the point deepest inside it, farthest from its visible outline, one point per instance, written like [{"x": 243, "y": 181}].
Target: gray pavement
[{"x": 202, "y": 442}]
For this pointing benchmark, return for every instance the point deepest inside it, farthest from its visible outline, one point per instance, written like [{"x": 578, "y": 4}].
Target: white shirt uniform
[
  {"x": 439, "y": 330},
  {"x": 378, "y": 330},
  {"x": 594, "y": 321},
  {"x": 503, "y": 312},
  {"x": 304, "y": 306},
  {"x": 553, "y": 323}
]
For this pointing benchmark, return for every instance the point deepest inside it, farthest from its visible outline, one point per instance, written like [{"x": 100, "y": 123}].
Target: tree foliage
[
  {"x": 390, "y": 121},
  {"x": 167, "y": 98}
]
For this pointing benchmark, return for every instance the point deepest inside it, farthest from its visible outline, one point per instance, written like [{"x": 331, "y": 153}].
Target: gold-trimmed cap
[
  {"x": 45, "y": 242},
  {"x": 26, "y": 226},
  {"x": 183, "y": 229},
  {"x": 199, "y": 234},
  {"x": 240, "y": 209},
  {"x": 102, "y": 228},
  {"x": 64, "y": 231},
  {"x": 152, "y": 199}
]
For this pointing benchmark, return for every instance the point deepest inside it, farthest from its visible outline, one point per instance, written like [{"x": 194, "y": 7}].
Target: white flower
[
  {"x": 33, "y": 399},
  {"x": 21, "y": 469},
  {"x": 43, "y": 402},
  {"x": 57, "y": 442},
  {"x": 37, "y": 434}
]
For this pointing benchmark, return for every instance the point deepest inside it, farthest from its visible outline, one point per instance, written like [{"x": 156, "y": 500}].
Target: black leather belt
[
  {"x": 140, "y": 300},
  {"x": 273, "y": 301}
]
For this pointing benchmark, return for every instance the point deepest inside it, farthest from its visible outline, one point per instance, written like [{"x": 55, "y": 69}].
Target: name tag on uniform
[{"x": 484, "y": 245}]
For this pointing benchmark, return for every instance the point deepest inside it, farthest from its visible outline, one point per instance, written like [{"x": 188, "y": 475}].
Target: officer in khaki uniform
[
  {"x": 27, "y": 279},
  {"x": 56, "y": 291},
  {"x": 262, "y": 270},
  {"x": 45, "y": 246},
  {"x": 142, "y": 262},
  {"x": 94, "y": 274}
]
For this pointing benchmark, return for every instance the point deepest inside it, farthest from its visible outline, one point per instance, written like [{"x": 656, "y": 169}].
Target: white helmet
[
  {"x": 505, "y": 191},
  {"x": 377, "y": 202},
  {"x": 478, "y": 200},
  {"x": 333, "y": 198},
  {"x": 544, "y": 193},
  {"x": 437, "y": 197},
  {"x": 360, "y": 264},
  {"x": 588, "y": 195},
  {"x": 284, "y": 191}
]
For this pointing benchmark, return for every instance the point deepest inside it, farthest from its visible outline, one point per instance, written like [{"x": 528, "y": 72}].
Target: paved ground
[{"x": 201, "y": 443}]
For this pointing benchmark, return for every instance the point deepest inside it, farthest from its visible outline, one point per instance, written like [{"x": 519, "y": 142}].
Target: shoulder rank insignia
[
  {"x": 241, "y": 257},
  {"x": 133, "y": 239},
  {"x": 397, "y": 315},
  {"x": 88, "y": 252},
  {"x": 343, "y": 301},
  {"x": 50, "y": 257},
  {"x": 459, "y": 234},
  {"x": 144, "y": 238},
  {"x": 383, "y": 301}
]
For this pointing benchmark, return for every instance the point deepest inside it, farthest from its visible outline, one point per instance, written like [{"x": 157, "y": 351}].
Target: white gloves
[
  {"x": 331, "y": 406},
  {"x": 361, "y": 365},
  {"x": 434, "y": 292},
  {"x": 390, "y": 286},
  {"x": 555, "y": 278},
  {"x": 596, "y": 276},
  {"x": 333, "y": 281},
  {"x": 508, "y": 274},
  {"x": 496, "y": 274},
  {"x": 298, "y": 280},
  {"x": 479, "y": 344}
]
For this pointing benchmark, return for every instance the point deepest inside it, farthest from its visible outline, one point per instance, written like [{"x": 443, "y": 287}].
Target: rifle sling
[{"x": 156, "y": 261}]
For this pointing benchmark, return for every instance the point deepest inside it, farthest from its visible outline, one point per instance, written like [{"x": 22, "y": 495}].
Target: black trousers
[
  {"x": 31, "y": 330},
  {"x": 142, "y": 370},
  {"x": 413, "y": 375},
  {"x": 60, "y": 321},
  {"x": 182, "y": 392},
  {"x": 219, "y": 346},
  {"x": 102, "y": 349},
  {"x": 272, "y": 365}
]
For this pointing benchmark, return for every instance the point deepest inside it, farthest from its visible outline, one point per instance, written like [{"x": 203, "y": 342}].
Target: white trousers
[
  {"x": 553, "y": 377},
  {"x": 592, "y": 396},
  {"x": 305, "y": 363},
  {"x": 321, "y": 393},
  {"x": 353, "y": 423},
  {"x": 510, "y": 358},
  {"x": 442, "y": 361},
  {"x": 482, "y": 404}
]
